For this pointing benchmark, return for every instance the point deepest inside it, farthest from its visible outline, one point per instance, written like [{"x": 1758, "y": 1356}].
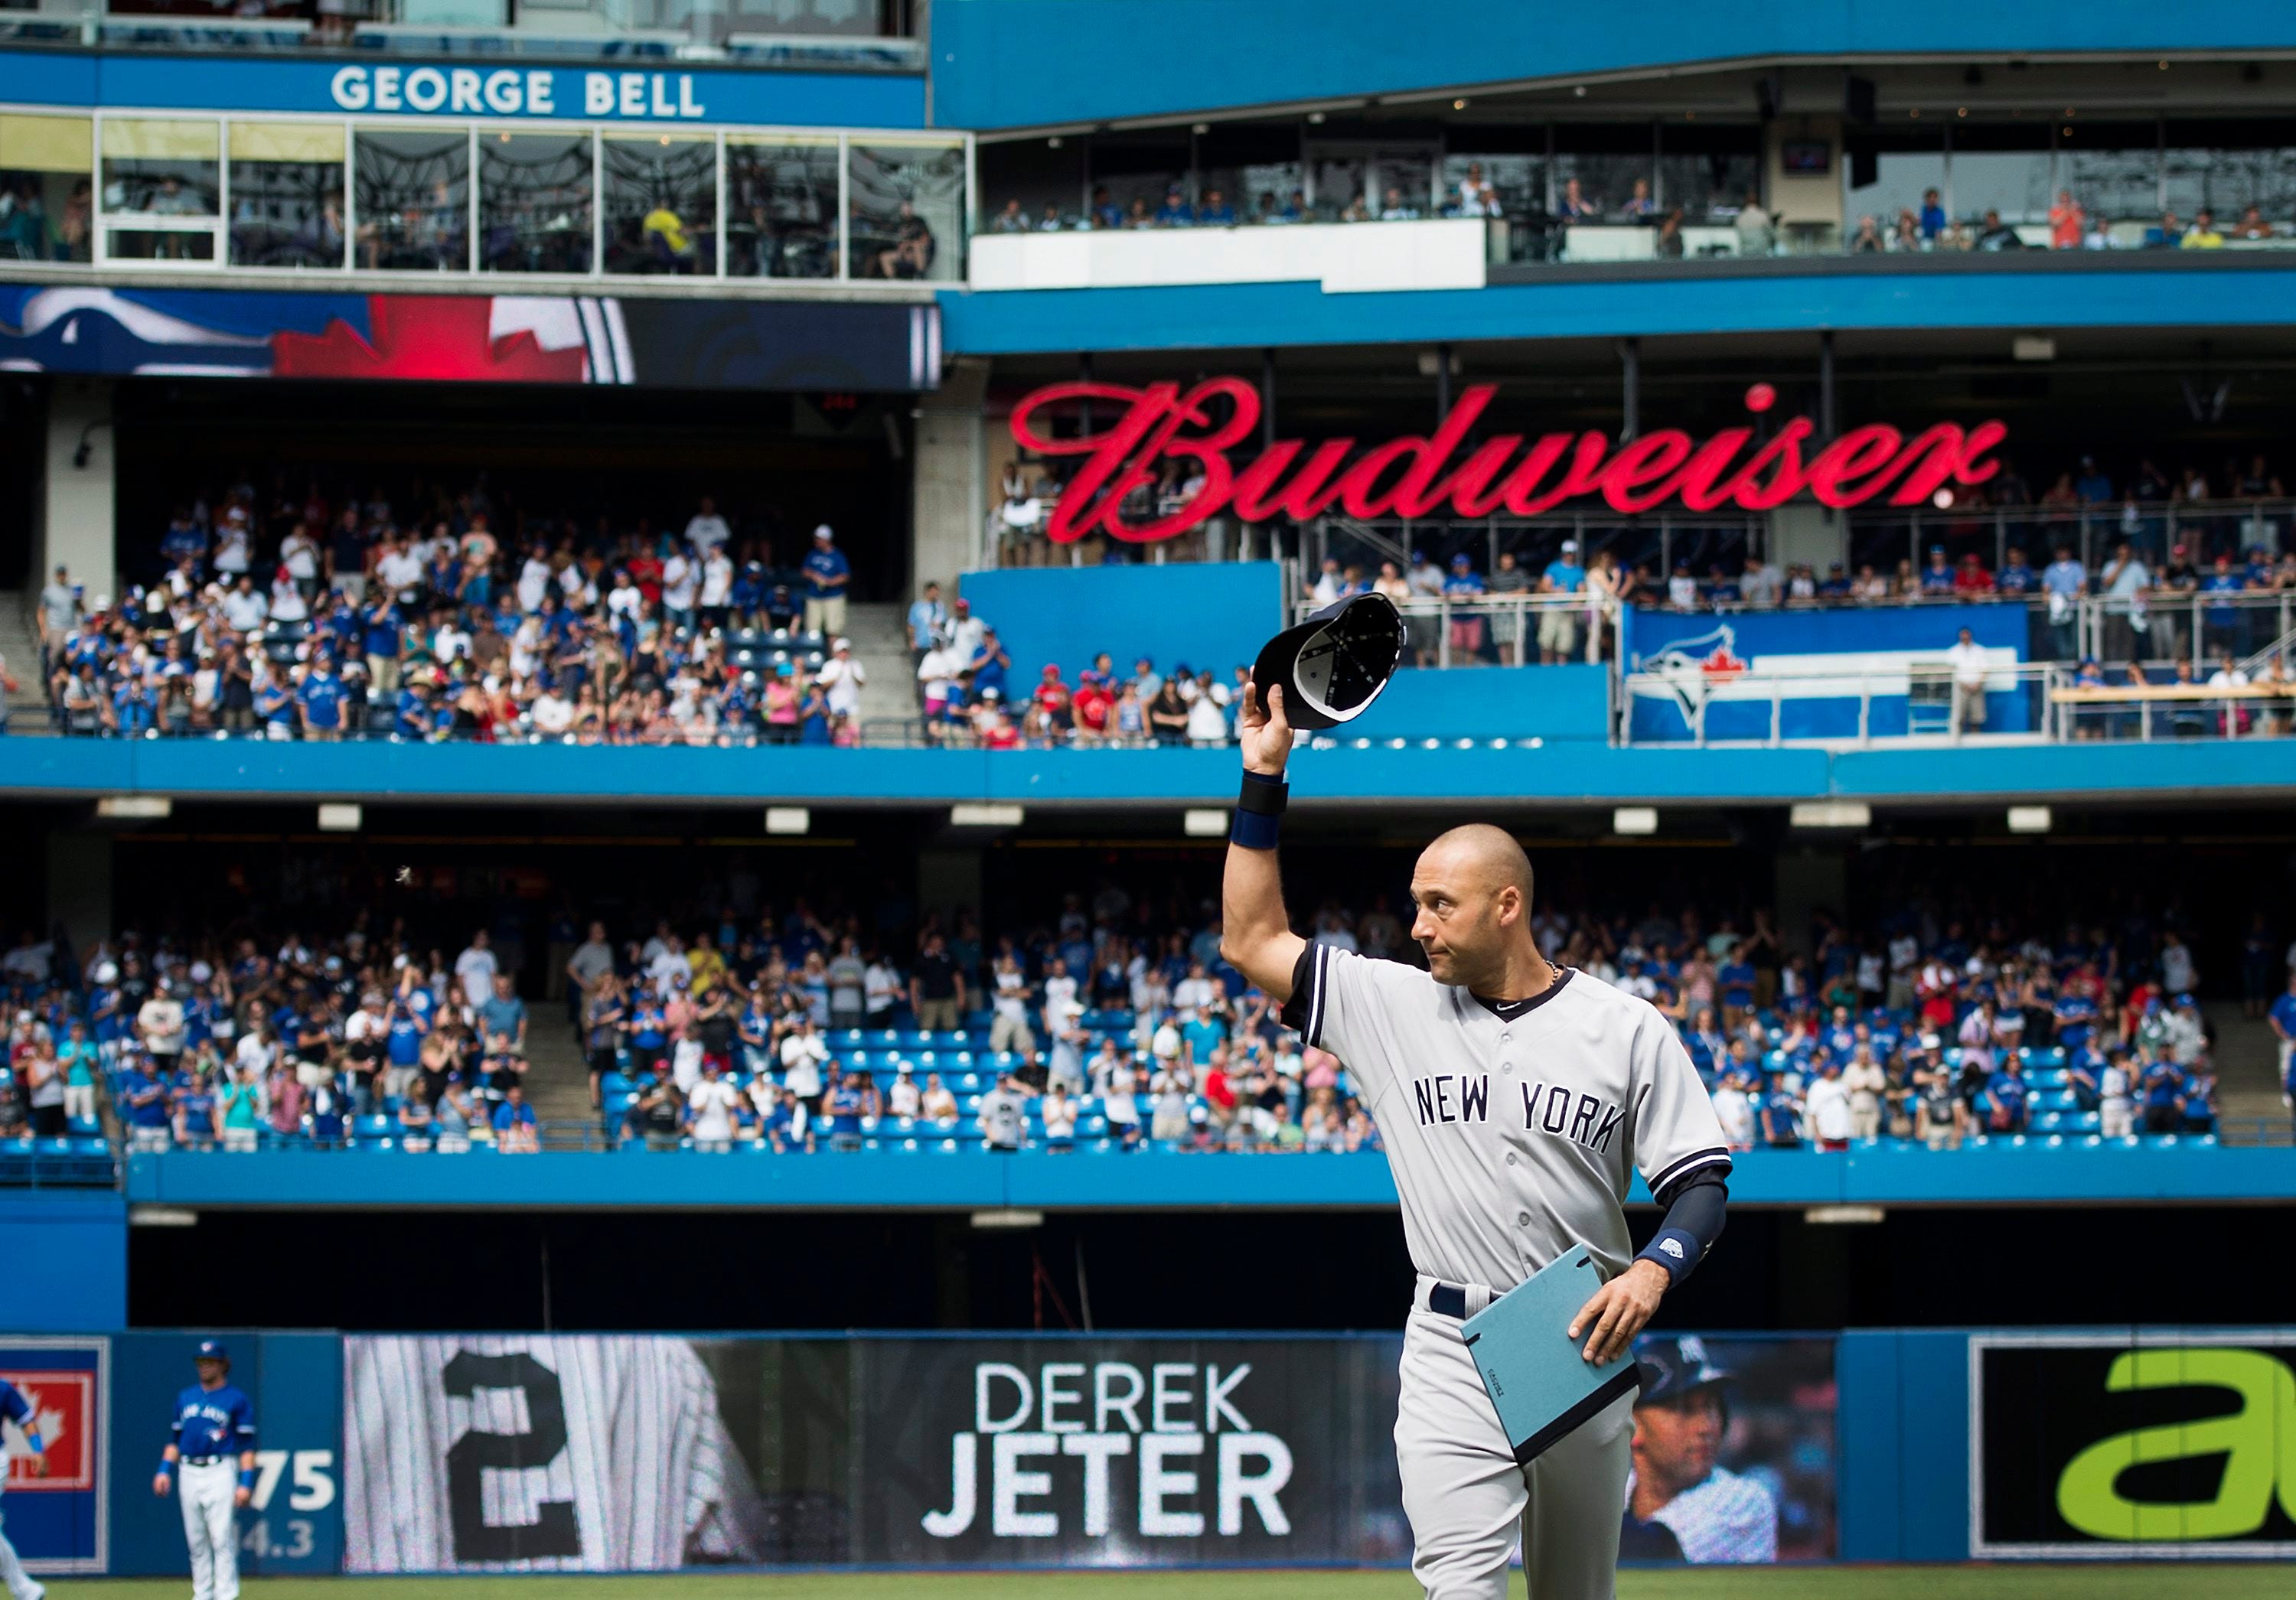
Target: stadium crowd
[{"x": 1112, "y": 1025}]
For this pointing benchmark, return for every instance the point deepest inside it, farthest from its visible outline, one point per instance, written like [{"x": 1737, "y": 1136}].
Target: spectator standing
[
  {"x": 842, "y": 676},
  {"x": 828, "y": 575},
  {"x": 1970, "y": 666},
  {"x": 1008, "y": 1028},
  {"x": 475, "y": 969},
  {"x": 2282, "y": 1015},
  {"x": 1003, "y": 1114},
  {"x": 710, "y": 1109},
  {"x": 1866, "y": 1084},
  {"x": 936, "y": 988},
  {"x": 706, "y": 531}
]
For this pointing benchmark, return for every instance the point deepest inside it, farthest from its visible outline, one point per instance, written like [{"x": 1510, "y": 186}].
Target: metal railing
[
  {"x": 2162, "y": 627},
  {"x": 1935, "y": 709},
  {"x": 1503, "y": 630},
  {"x": 1883, "y": 537}
]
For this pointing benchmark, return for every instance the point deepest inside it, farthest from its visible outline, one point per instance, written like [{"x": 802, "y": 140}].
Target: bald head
[
  {"x": 1471, "y": 889},
  {"x": 1485, "y": 854}
]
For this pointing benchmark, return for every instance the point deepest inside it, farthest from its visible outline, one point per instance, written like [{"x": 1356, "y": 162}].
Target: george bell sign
[{"x": 1415, "y": 478}]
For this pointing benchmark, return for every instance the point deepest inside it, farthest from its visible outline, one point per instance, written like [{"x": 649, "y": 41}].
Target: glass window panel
[
  {"x": 1907, "y": 168},
  {"x": 150, "y": 244},
  {"x": 413, "y": 189},
  {"x": 314, "y": 143},
  {"x": 2229, "y": 165},
  {"x": 2000, "y": 167},
  {"x": 1339, "y": 185},
  {"x": 1613, "y": 167},
  {"x": 1516, "y": 183},
  {"x": 287, "y": 194},
  {"x": 534, "y": 202},
  {"x": 2113, "y": 169},
  {"x": 1707, "y": 172},
  {"x": 162, "y": 168},
  {"x": 907, "y": 211},
  {"x": 661, "y": 204},
  {"x": 1255, "y": 192},
  {"x": 781, "y": 203},
  {"x": 1139, "y": 171},
  {"x": 45, "y": 192}
]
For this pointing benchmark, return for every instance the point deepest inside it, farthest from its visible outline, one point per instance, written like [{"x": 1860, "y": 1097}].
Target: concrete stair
[
  {"x": 2248, "y": 1080},
  {"x": 20, "y": 646},
  {"x": 880, "y": 645},
  {"x": 557, "y": 1082}
]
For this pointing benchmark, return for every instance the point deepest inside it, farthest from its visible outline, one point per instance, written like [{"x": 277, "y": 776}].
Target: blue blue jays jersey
[
  {"x": 14, "y": 1407},
  {"x": 213, "y": 1421}
]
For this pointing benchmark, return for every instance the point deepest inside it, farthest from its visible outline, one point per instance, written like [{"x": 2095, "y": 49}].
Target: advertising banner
[
  {"x": 59, "y": 1520},
  {"x": 491, "y": 1454},
  {"x": 293, "y": 1520},
  {"x": 2114, "y": 1445},
  {"x": 1727, "y": 667},
  {"x": 563, "y": 339}
]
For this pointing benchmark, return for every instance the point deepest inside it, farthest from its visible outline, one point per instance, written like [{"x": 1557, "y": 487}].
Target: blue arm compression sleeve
[{"x": 1694, "y": 1222}]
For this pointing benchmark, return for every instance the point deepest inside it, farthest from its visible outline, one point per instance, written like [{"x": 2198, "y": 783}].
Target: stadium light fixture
[
  {"x": 1009, "y": 1218},
  {"x": 1210, "y": 822},
  {"x": 134, "y": 807},
  {"x": 341, "y": 817},
  {"x": 162, "y": 1216},
  {"x": 1832, "y": 814},
  {"x": 2032, "y": 347},
  {"x": 788, "y": 819},
  {"x": 1838, "y": 1215},
  {"x": 985, "y": 817},
  {"x": 2031, "y": 819},
  {"x": 1635, "y": 819}
]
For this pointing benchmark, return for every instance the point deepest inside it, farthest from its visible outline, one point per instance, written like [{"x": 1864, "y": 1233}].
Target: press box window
[
  {"x": 46, "y": 188},
  {"x": 535, "y": 205},
  {"x": 287, "y": 194},
  {"x": 661, "y": 204},
  {"x": 161, "y": 188},
  {"x": 781, "y": 206},
  {"x": 907, "y": 203},
  {"x": 413, "y": 189}
]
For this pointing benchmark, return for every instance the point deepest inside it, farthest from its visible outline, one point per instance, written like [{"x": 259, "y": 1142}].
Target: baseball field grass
[{"x": 2153, "y": 1580}]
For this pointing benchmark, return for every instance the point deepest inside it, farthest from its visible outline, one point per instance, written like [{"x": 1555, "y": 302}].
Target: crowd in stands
[
  {"x": 1112, "y": 1026},
  {"x": 2071, "y": 225},
  {"x": 968, "y": 693},
  {"x": 302, "y": 618},
  {"x": 1757, "y": 227}
]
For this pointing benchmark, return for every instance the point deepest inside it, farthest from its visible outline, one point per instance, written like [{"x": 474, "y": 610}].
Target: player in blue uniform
[
  {"x": 17, "y": 1409},
  {"x": 214, "y": 1448}
]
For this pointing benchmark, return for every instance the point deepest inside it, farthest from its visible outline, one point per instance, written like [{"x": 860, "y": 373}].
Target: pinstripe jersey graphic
[{"x": 537, "y": 1454}]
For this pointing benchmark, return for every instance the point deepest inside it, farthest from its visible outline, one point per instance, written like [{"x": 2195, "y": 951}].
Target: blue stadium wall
[
  {"x": 1919, "y": 1419},
  {"x": 1033, "y": 63}
]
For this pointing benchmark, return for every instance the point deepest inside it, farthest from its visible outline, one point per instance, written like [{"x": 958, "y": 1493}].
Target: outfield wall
[{"x": 430, "y": 1452}]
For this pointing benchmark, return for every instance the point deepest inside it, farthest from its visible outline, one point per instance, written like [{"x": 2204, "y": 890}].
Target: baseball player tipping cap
[{"x": 1517, "y": 1101}]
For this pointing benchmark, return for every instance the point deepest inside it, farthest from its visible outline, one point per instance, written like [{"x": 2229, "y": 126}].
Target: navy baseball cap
[
  {"x": 1673, "y": 1367},
  {"x": 212, "y": 1349}
]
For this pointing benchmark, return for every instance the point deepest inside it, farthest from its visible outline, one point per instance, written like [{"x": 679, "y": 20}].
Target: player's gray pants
[
  {"x": 1467, "y": 1499},
  {"x": 19, "y": 1582},
  {"x": 210, "y": 1526}
]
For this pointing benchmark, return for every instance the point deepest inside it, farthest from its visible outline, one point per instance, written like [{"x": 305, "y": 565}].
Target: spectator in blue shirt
[
  {"x": 2016, "y": 576},
  {"x": 515, "y": 1133},
  {"x": 2282, "y": 1015},
  {"x": 322, "y": 698},
  {"x": 2164, "y": 1096},
  {"x": 1558, "y": 626},
  {"x": 827, "y": 577},
  {"x": 1937, "y": 578},
  {"x": 1217, "y": 213},
  {"x": 2064, "y": 581},
  {"x": 2092, "y": 485},
  {"x": 1933, "y": 216},
  {"x": 1176, "y": 213},
  {"x": 1781, "y": 1116},
  {"x": 2006, "y": 1096},
  {"x": 1105, "y": 212},
  {"x": 2219, "y": 619}
]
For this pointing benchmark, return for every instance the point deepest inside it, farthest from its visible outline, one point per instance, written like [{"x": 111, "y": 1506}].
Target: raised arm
[{"x": 1256, "y": 935}]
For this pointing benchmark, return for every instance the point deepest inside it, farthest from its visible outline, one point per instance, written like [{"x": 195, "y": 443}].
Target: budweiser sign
[{"x": 1415, "y": 478}]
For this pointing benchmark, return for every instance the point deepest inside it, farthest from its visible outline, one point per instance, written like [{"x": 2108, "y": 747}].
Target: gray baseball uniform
[{"x": 1513, "y": 1133}]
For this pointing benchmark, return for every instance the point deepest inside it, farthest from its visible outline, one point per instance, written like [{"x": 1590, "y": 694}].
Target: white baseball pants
[
  {"x": 211, "y": 1527},
  {"x": 1469, "y": 1502},
  {"x": 20, "y": 1583}
]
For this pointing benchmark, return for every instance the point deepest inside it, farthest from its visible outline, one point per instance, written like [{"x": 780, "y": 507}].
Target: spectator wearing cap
[
  {"x": 1937, "y": 578},
  {"x": 1003, "y": 1114},
  {"x": 842, "y": 677},
  {"x": 1558, "y": 626},
  {"x": 1682, "y": 1503},
  {"x": 828, "y": 575},
  {"x": 902, "y": 1098},
  {"x": 1462, "y": 588}
]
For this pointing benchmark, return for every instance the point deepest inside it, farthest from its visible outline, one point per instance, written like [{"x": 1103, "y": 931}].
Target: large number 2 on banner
[{"x": 553, "y": 1531}]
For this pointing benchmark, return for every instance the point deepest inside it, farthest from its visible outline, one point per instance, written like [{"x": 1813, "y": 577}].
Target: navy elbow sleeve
[{"x": 1694, "y": 1222}]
